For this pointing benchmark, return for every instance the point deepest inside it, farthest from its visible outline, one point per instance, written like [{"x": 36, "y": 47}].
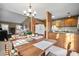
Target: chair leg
[
  {"x": 68, "y": 53},
  {"x": 43, "y": 54},
  {"x": 7, "y": 51}
]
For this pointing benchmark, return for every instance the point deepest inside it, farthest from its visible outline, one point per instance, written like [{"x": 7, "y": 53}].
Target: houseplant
[{"x": 29, "y": 35}]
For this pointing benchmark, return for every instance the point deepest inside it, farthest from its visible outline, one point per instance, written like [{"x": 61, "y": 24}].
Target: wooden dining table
[{"x": 28, "y": 49}]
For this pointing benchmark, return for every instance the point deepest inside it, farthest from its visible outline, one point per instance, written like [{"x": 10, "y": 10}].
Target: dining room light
[{"x": 29, "y": 12}]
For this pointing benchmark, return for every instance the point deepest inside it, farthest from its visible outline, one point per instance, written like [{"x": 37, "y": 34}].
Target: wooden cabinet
[
  {"x": 60, "y": 37},
  {"x": 59, "y": 23},
  {"x": 52, "y": 35},
  {"x": 70, "y": 21},
  {"x": 61, "y": 40},
  {"x": 67, "y": 22},
  {"x": 76, "y": 42}
]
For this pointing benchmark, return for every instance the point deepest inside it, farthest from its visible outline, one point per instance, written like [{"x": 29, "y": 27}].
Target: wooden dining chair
[
  {"x": 19, "y": 54},
  {"x": 68, "y": 49},
  {"x": 43, "y": 54},
  {"x": 7, "y": 51}
]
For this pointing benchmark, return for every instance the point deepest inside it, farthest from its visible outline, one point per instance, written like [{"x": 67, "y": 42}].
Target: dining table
[{"x": 29, "y": 49}]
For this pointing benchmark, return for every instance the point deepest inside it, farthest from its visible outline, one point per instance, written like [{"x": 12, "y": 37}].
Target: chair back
[
  {"x": 7, "y": 51},
  {"x": 68, "y": 49}
]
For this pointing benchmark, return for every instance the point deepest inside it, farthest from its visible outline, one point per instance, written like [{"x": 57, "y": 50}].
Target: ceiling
[{"x": 13, "y": 12}]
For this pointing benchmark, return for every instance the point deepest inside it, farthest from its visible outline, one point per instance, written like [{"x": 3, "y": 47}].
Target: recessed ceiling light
[
  {"x": 53, "y": 16},
  {"x": 69, "y": 15},
  {"x": 24, "y": 12}
]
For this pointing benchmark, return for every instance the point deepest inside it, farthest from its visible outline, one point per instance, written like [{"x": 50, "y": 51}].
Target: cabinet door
[
  {"x": 61, "y": 40},
  {"x": 76, "y": 42},
  {"x": 70, "y": 22}
]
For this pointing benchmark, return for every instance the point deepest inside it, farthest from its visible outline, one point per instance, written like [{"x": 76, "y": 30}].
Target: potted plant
[{"x": 29, "y": 34}]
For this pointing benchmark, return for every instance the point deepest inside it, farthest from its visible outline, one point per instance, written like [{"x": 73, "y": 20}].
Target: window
[
  {"x": 40, "y": 28},
  {"x": 18, "y": 27},
  {"x": 5, "y": 27}
]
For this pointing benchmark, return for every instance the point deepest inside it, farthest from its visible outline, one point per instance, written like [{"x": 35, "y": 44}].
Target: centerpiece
[{"x": 29, "y": 36}]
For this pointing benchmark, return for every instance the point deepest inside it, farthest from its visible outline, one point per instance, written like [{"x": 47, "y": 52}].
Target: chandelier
[{"x": 30, "y": 12}]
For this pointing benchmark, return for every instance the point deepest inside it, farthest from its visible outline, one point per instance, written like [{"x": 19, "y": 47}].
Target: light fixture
[
  {"x": 53, "y": 16},
  {"x": 68, "y": 13},
  {"x": 29, "y": 12}
]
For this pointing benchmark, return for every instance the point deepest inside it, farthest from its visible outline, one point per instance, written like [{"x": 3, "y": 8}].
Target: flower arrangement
[{"x": 29, "y": 33}]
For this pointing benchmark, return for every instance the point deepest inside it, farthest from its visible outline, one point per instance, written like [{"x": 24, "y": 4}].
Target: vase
[{"x": 29, "y": 36}]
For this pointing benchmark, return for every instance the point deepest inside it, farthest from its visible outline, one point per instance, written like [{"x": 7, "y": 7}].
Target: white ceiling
[
  {"x": 8, "y": 16},
  {"x": 15, "y": 10}
]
